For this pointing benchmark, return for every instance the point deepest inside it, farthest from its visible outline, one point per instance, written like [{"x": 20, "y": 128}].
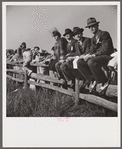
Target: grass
[{"x": 48, "y": 103}]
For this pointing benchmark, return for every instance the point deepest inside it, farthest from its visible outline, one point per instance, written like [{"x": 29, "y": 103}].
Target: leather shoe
[
  {"x": 103, "y": 88},
  {"x": 93, "y": 87},
  {"x": 64, "y": 84},
  {"x": 72, "y": 86}
]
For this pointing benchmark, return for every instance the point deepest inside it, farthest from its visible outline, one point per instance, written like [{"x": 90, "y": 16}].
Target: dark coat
[
  {"x": 71, "y": 47},
  {"x": 84, "y": 49},
  {"x": 60, "y": 48},
  {"x": 104, "y": 46}
]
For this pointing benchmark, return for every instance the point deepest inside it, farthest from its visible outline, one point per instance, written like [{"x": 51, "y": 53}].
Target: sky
[{"x": 33, "y": 23}]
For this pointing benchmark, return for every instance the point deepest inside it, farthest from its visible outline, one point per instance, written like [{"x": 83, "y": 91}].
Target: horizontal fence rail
[{"x": 111, "y": 91}]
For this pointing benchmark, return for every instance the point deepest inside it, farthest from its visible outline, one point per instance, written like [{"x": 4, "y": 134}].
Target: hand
[
  {"x": 86, "y": 57},
  {"x": 70, "y": 58},
  {"x": 33, "y": 61},
  {"x": 61, "y": 61},
  {"x": 82, "y": 56},
  {"x": 68, "y": 55}
]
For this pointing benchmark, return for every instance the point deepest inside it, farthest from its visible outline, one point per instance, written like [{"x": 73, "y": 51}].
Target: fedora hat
[
  {"x": 55, "y": 33},
  {"x": 91, "y": 22},
  {"x": 67, "y": 31},
  {"x": 77, "y": 30}
]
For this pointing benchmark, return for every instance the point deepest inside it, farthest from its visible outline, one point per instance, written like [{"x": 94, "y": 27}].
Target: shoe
[
  {"x": 103, "y": 88},
  {"x": 86, "y": 84},
  {"x": 93, "y": 87},
  {"x": 64, "y": 84},
  {"x": 72, "y": 86}
]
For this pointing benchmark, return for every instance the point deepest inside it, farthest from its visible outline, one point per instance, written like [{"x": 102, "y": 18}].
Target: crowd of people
[{"x": 75, "y": 56}]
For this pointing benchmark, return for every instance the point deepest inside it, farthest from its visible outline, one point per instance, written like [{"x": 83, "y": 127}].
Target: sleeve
[
  {"x": 77, "y": 49},
  {"x": 63, "y": 47},
  {"x": 73, "y": 51},
  {"x": 106, "y": 47},
  {"x": 88, "y": 44}
]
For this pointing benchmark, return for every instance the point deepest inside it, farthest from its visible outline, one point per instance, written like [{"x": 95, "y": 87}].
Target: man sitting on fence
[
  {"x": 82, "y": 47},
  {"x": 39, "y": 56},
  {"x": 59, "y": 50},
  {"x": 101, "y": 48},
  {"x": 70, "y": 52}
]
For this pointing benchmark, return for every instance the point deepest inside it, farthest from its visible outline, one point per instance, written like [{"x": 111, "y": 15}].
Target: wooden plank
[
  {"x": 17, "y": 63},
  {"x": 45, "y": 78},
  {"x": 99, "y": 101},
  {"x": 14, "y": 79},
  {"x": 15, "y": 71},
  {"x": 39, "y": 64},
  {"x": 26, "y": 79},
  {"x": 88, "y": 97},
  {"x": 76, "y": 91},
  {"x": 52, "y": 87}
]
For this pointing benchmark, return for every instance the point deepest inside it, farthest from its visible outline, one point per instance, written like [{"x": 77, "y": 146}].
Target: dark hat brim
[
  {"x": 91, "y": 24},
  {"x": 79, "y": 31},
  {"x": 67, "y": 33}
]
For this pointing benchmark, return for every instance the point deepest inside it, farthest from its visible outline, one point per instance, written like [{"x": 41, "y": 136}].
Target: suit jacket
[
  {"x": 71, "y": 47},
  {"x": 103, "y": 45},
  {"x": 84, "y": 49},
  {"x": 60, "y": 48}
]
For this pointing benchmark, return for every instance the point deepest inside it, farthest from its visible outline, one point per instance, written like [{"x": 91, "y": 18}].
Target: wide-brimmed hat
[
  {"x": 68, "y": 31},
  {"x": 77, "y": 30},
  {"x": 24, "y": 44},
  {"x": 91, "y": 22},
  {"x": 55, "y": 33}
]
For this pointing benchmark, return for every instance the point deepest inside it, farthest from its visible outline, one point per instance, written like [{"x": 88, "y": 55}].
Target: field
[{"x": 48, "y": 103}]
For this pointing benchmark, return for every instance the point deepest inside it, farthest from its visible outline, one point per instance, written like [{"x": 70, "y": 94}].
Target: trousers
[
  {"x": 70, "y": 73},
  {"x": 92, "y": 69}
]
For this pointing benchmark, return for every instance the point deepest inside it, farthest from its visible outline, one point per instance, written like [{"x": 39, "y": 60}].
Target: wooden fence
[{"x": 111, "y": 91}]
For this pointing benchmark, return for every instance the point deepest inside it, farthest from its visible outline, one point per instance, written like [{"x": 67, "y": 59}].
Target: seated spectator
[
  {"x": 27, "y": 58},
  {"x": 9, "y": 54},
  {"x": 59, "y": 50},
  {"x": 23, "y": 46},
  {"x": 81, "y": 47},
  {"x": 101, "y": 48},
  {"x": 35, "y": 54},
  {"x": 18, "y": 55},
  {"x": 70, "y": 52},
  {"x": 113, "y": 67},
  {"x": 113, "y": 63}
]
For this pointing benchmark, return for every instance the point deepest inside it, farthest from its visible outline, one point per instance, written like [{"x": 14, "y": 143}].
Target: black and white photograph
[{"x": 61, "y": 74}]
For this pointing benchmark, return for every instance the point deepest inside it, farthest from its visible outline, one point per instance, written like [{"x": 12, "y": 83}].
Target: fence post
[
  {"x": 76, "y": 91},
  {"x": 26, "y": 79}
]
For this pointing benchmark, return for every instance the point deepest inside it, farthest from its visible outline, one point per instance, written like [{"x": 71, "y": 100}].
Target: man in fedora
[
  {"x": 60, "y": 49},
  {"x": 82, "y": 47},
  {"x": 101, "y": 48},
  {"x": 70, "y": 52}
]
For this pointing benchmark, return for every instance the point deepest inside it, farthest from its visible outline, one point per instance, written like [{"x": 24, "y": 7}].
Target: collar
[{"x": 82, "y": 39}]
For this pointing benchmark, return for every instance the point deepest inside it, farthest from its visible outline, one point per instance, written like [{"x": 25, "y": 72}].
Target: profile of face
[
  {"x": 36, "y": 49},
  {"x": 78, "y": 36},
  {"x": 68, "y": 36},
  {"x": 56, "y": 37},
  {"x": 94, "y": 29}
]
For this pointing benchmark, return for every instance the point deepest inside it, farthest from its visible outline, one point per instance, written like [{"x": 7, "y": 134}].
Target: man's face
[
  {"x": 22, "y": 46},
  {"x": 68, "y": 36},
  {"x": 36, "y": 49},
  {"x": 56, "y": 37},
  {"x": 78, "y": 36},
  {"x": 94, "y": 29}
]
